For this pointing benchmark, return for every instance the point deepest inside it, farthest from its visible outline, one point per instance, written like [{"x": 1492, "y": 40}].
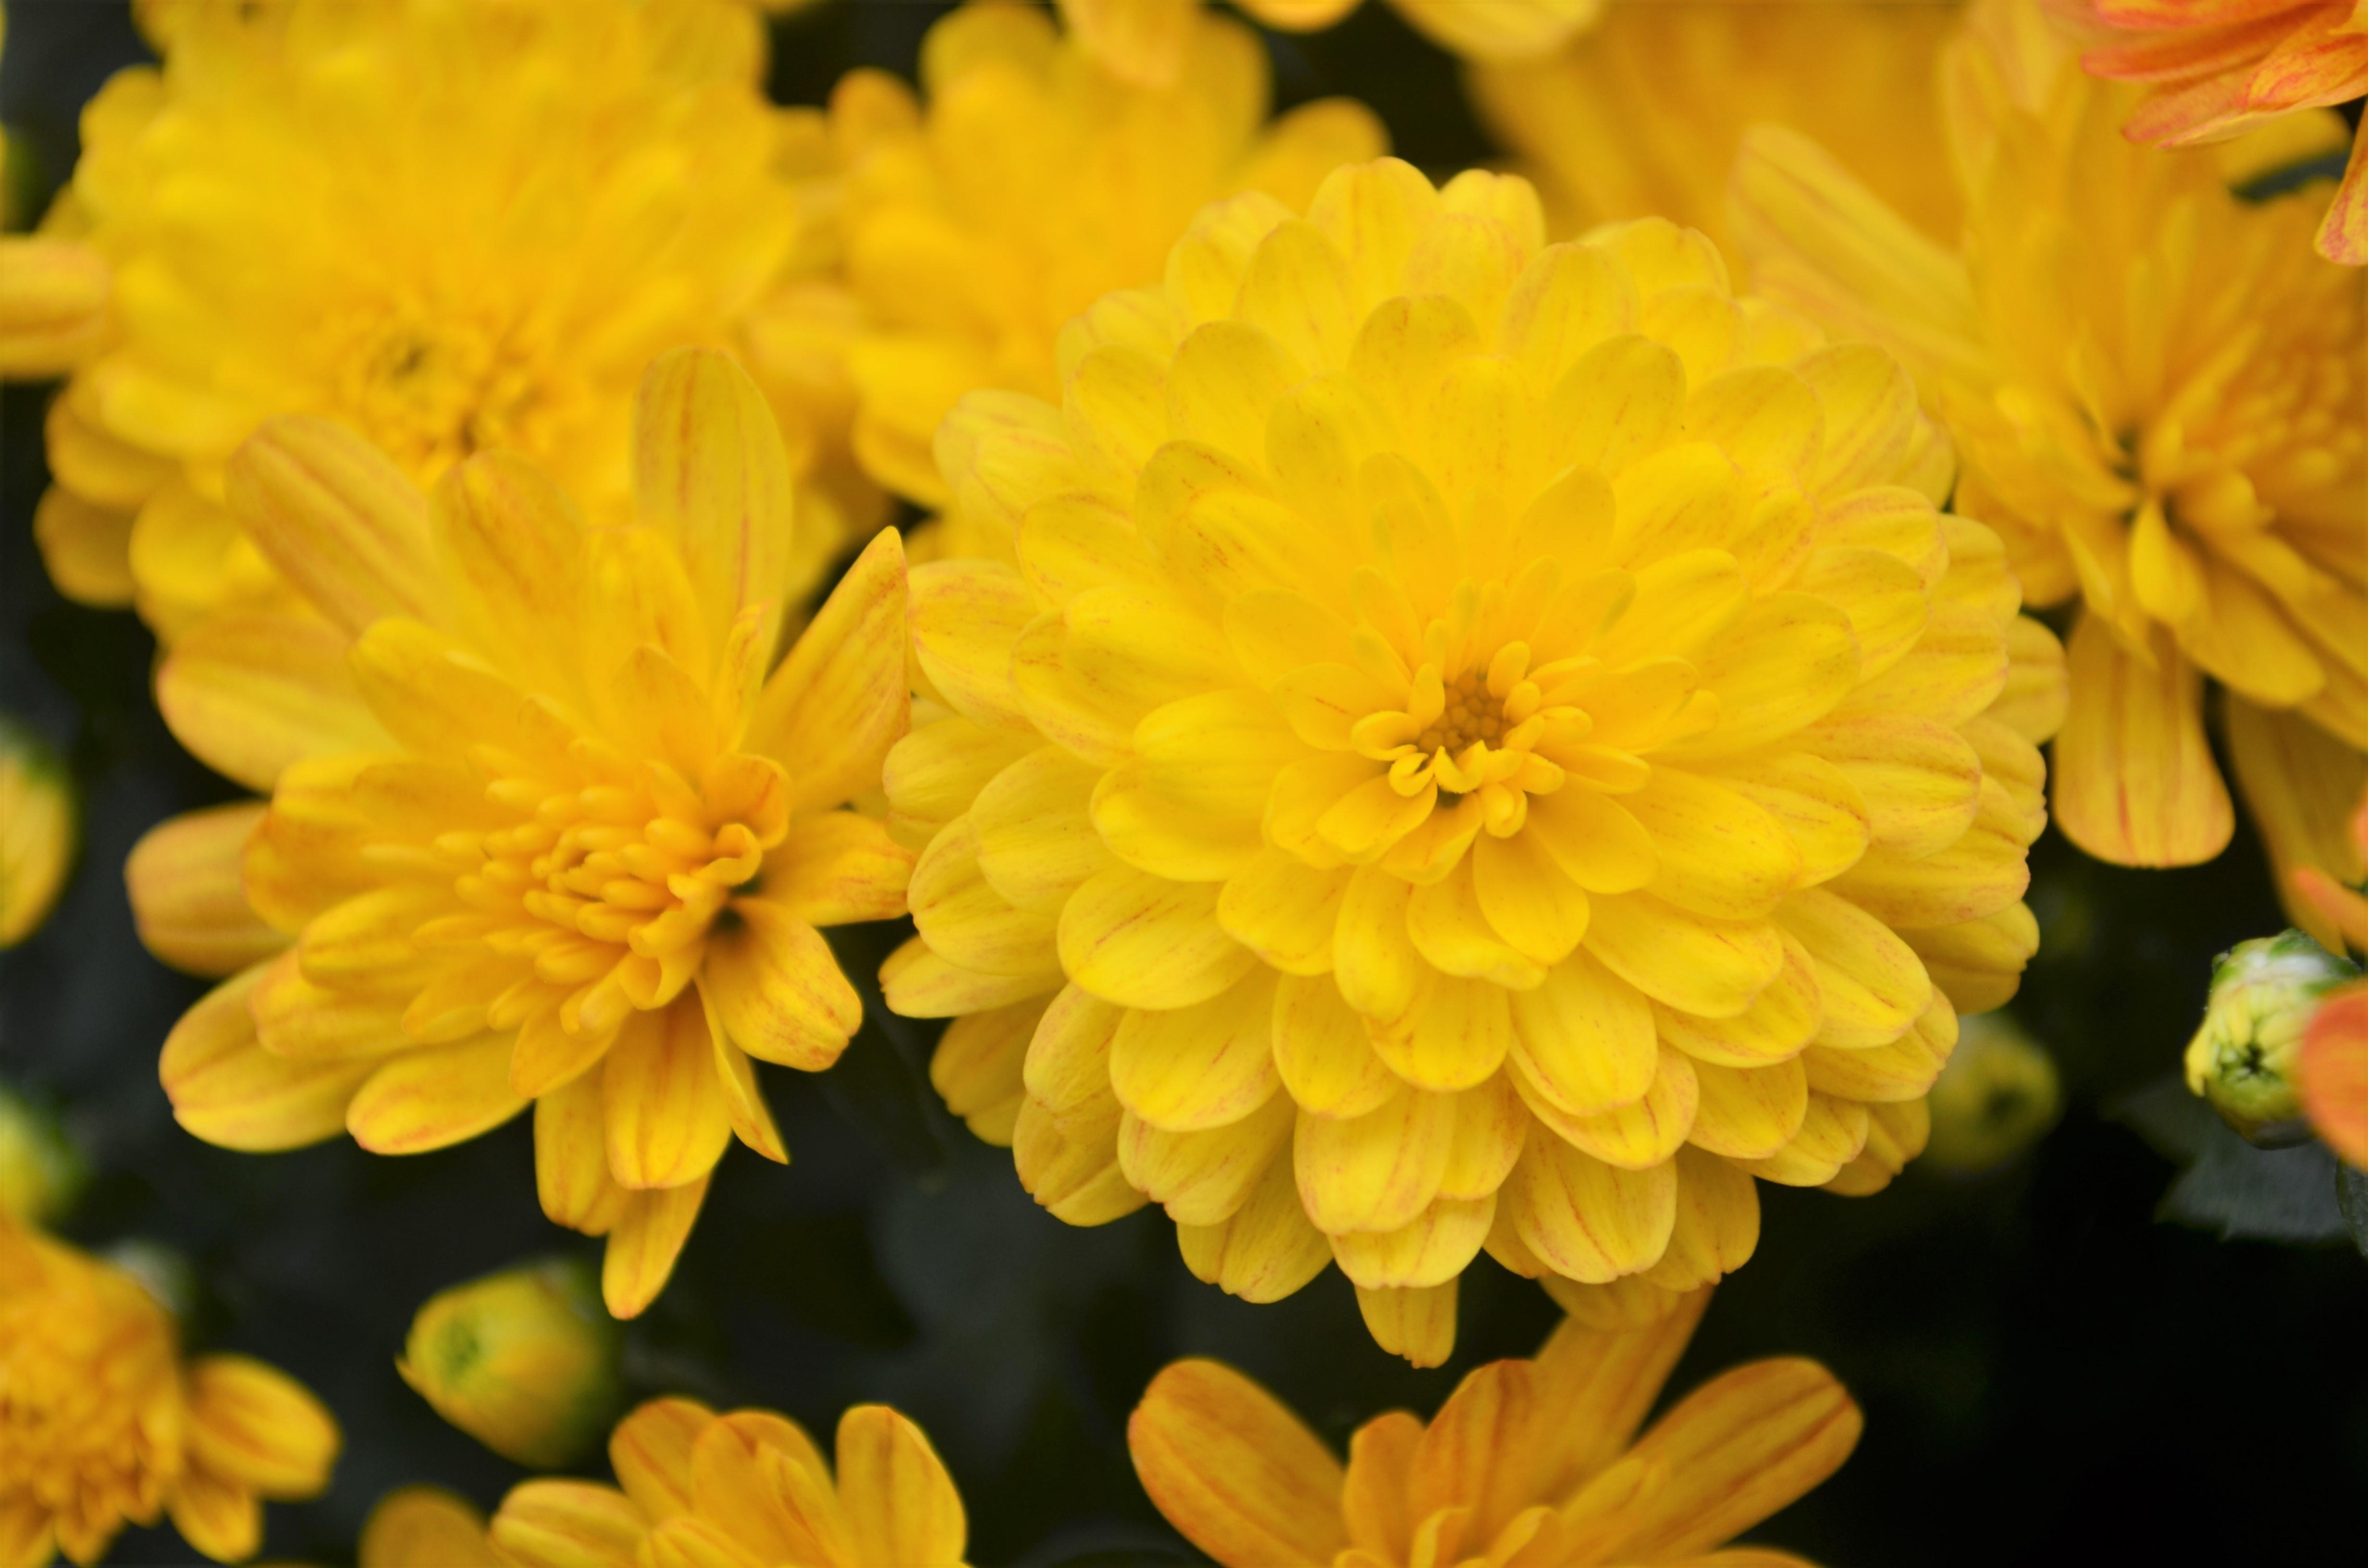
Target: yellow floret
[{"x": 1470, "y": 742}]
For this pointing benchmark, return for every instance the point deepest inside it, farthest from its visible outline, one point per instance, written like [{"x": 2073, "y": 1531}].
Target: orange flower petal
[
  {"x": 256, "y": 1425},
  {"x": 1235, "y": 1471}
]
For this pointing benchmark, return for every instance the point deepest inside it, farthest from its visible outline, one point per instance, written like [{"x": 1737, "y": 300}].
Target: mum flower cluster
[
  {"x": 452, "y": 227},
  {"x": 2171, "y": 434},
  {"x": 1535, "y": 1463},
  {"x": 103, "y": 1423},
  {"x": 1476, "y": 743},
  {"x": 546, "y": 831}
]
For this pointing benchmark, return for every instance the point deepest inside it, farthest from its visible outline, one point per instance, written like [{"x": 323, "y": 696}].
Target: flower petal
[
  {"x": 1737, "y": 1450},
  {"x": 901, "y": 1506},
  {"x": 1235, "y": 1471},
  {"x": 665, "y": 1107},
  {"x": 1143, "y": 941},
  {"x": 1205, "y": 1065},
  {"x": 778, "y": 987},
  {"x": 645, "y": 1241},
  {"x": 435, "y": 1097},
  {"x": 2134, "y": 779},
  {"x": 568, "y": 1523},
  {"x": 253, "y": 693},
  {"x": 710, "y": 470},
  {"x": 339, "y": 518},
  {"x": 231, "y": 1092},
  {"x": 256, "y": 1425},
  {"x": 842, "y": 698},
  {"x": 188, "y": 896}
]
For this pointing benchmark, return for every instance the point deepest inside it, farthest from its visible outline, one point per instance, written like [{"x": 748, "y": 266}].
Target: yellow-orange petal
[
  {"x": 187, "y": 895},
  {"x": 841, "y": 699},
  {"x": 256, "y": 1425},
  {"x": 2134, "y": 781},
  {"x": 901, "y": 1505},
  {"x": 228, "y": 1090},
  {"x": 2331, "y": 1074},
  {"x": 777, "y": 986},
  {"x": 339, "y": 518},
  {"x": 425, "y": 1523},
  {"x": 568, "y": 1523},
  {"x": 1237, "y": 1473},
  {"x": 435, "y": 1097},
  {"x": 664, "y": 1109},
  {"x": 218, "y": 1516},
  {"x": 647, "y": 1238},
  {"x": 711, "y": 472}
]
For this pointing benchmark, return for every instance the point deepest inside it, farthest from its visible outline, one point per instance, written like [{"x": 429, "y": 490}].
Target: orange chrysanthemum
[
  {"x": 1528, "y": 1464},
  {"x": 2217, "y": 68},
  {"x": 102, "y": 1424},
  {"x": 545, "y": 830}
]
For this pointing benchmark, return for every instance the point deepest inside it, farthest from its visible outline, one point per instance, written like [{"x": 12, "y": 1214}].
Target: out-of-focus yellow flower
[
  {"x": 1641, "y": 115},
  {"x": 425, "y": 1527},
  {"x": 102, "y": 1424},
  {"x": 455, "y": 227},
  {"x": 545, "y": 831},
  {"x": 2264, "y": 995},
  {"x": 39, "y": 830},
  {"x": 525, "y": 1361},
  {"x": 1032, "y": 183},
  {"x": 2161, "y": 398},
  {"x": 1483, "y": 743},
  {"x": 1142, "y": 40},
  {"x": 1531, "y": 1462},
  {"x": 41, "y": 1171},
  {"x": 742, "y": 1488},
  {"x": 1997, "y": 1096}
]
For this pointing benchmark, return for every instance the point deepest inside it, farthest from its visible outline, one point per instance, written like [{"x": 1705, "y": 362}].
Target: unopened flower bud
[
  {"x": 2242, "y": 1059},
  {"x": 1995, "y": 1099},
  {"x": 525, "y": 1361},
  {"x": 38, "y": 831},
  {"x": 42, "y": 1173}
]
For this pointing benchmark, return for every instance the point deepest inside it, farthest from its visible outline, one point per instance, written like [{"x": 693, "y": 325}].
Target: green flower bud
[
  {"x": 2264, "y": 992},
  {"x": 1996, "y": 1098},
  {"x": 41, "y": 1171},
  {"x": 525, "y": 1361}
]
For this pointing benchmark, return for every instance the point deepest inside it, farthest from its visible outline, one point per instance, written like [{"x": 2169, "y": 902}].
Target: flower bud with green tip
[
  {"x": 525, "y": 1361},
  {"x": 1996, "y": 1098},
  {"x": 41, "y": 1171},
  {"x": 38, "y": 830},
  {"x": 2264, "y": 992}
]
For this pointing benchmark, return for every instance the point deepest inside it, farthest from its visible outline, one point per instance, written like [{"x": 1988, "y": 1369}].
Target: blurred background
[{"x": 2057, "y": 1364}]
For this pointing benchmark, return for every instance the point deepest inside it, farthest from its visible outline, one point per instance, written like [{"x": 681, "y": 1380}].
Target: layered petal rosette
[
  {"x": 546, "y": 831},
  {"x": 1473, "y": 743}
]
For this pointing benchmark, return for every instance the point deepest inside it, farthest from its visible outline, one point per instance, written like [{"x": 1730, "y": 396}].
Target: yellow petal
[
  {"x": 2301, "y": 786},
  {"x": 228, "y": 1090},
  {"x": 1457, "y": 1036},
  {"x": 841, "y": 699},
  {"x": 571, "y": 1158},
  {"x": 1143, "y": 941},
  {"x": 252, "y": 694},
  {"x": 187, "y": 895},
  {"x": 1480, "y": 1452},
  {"x": 1748, "y": 1113},
  {"x": 1920, "y": 780},
  {"x": 1284, "y": 911},
  {"x": 338, "y": 519},
  {"x": 1449, "y": 930},
  {"x": 710, "y": 471},
  {"x": 1415, "y": 1323},
  {"x": 436, "y": 1096},
  {"x": 1641, "y": 1134},
  {"x": 1202, "y": 1178},
  {"x": 1236, "y": 1471},
  {"x": 761, "y": 1479},
  {"x": 1718, "y": 852},
  {"x": 1584, "y": 1040},
  {"x": 1781, "y": 1020},
  {"x": 1706, "y": 967},
  {"x": 1205, "y": 1065},
  {"x": 1832, "y": 1134},
  {"x": 425, "y": 1523},
  {"x": 217, "y": 1515},
  {"x": 87, "y": 548},
  {"x": 1321, "y": 1050},
  {"x": 966, "y": 615},
  {"x": 645, "y": 1241},
  {"x": 1430, "y": 1251},
  {"x": 568, "y": 1523},
  {"x": 976, "y": 1068},
  {"x": 52, "y": 305},
  {"x": 837, "y": 868},
  {"x": 1903, "y": 1070},
  {"x": 1736, "y": 1451},
  {"x": 1265, "y": 1249},
  {"x": 1815, "y": 802},
  {"x": 901, "y": 1506},
  {"x": 651, "y": 1452},
  {"x": 1595, "y": 840},
  {"x": 1871, "y": 984},
  {"x": 1374, "y": 1172},
  {"x": 1587, "y": 1219},
  {"x": 2134, "y": 779},
  {"x": 1527, "y": 898},
  {"x": 964, "y": 917},
  {"x": 666, "y": 1114},
  {"x": 922, "y": 984},
  {"x": 1718, "y": 1224},
  {"x": 510, "y": 545},
  {"x": 1034, "y": 828},
  {"x": 258, "y": 1426},
  {"x": 777, "y": 987},
  {"x": 1079, "y": 1181}
]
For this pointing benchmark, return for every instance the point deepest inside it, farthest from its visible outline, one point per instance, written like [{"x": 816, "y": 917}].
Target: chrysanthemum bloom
[
  {"x": 2170, "y": 430},
  {"x": 1142, "y": 40},
  {"x": 1483, "y": 743},
  {"x": 39, "y": 830},
  {"x": 741, "y": 1490},
  {"x": 2216, "y": 68},
  {"x": 545, "y": 831},
  {"x": 1640, "y": 115},
  {"x": 1534, "y": 1463},
  {"x": 1032, "y": 183},
  {"x": 453, "y": 227},
  {"x": 103, "y": 1424}
]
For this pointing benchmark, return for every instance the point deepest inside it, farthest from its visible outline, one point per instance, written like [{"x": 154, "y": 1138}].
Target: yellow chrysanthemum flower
[
  {"x": 1483, "y": 743},
  {"x": 1142, "y": 40},
  {"x": 1641, "y": 115},
  {"x": 747, "y": 1487},
  {"x": 544, "y": 829},
  {"x": 455, "y": 227},
  {"x": 1531, "y": 1462},
  {"x": 1032, "y": 183},
  {"x": 39, "y": 830},
  {"x": 2161, "y": 398},
  {"x": 102, "y": 1423}
]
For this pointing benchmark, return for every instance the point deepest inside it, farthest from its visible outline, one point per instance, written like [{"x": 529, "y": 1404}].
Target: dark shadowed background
[{"x": 2051, "y": 1373}]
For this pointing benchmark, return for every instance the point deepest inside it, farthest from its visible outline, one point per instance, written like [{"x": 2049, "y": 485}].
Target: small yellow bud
[
  {"x": 2264, "y": 992},
  {"x": 1996, "y": 1098},
  {"x": 37, "y": 831},
  {"x": 42, "y": 1173},
  {"x": 525, "y": 1361}
]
